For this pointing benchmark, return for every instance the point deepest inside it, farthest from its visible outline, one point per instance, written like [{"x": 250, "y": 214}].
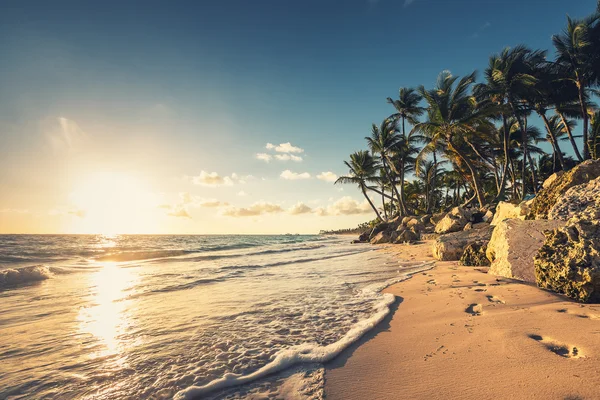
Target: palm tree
[
  {"x": 575, "y": 55},
  {"x": 407, "y": 107},
  {"x": 595, "y": 135},
  {"x": 363, "y": 170},
  {"x": 381, "y": 141},
  {"x": 452, "y": 112},
  {"x": 509, "y": 79}
]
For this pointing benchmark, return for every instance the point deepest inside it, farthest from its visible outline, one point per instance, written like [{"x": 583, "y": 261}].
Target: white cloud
[
  {"x": 264, "y": 157},
  {"x": 284, "y": 148},
  {"x": 255, "y": 209},
  {"x": 214, "y": 179},
  {"x": 14, "y": 211},
  {"x": 178, "y": 211},
  {"x": 345, "y": 206},
  {"x": 300, "y": 208},
  {"x": 289, "y": 175},
  {"x": 212, "y": 203},
  {"x": 327, "y": 176},
  {"x": 64, "y": 134},
  {"x": 241, "y": 193},
  {"x": 287, "y": 157}
]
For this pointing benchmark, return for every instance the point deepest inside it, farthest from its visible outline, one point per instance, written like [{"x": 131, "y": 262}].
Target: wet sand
[{"x": 459, "y": 333}]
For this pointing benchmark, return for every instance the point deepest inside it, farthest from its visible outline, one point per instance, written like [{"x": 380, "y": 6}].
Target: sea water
[{"x": 136, "y": 316}]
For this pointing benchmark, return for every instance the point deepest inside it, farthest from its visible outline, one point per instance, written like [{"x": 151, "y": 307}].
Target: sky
[{"x": 213, "y": 117}]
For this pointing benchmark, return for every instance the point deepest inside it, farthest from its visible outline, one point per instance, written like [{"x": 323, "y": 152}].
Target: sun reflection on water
[{"x": 106, "y": 316}]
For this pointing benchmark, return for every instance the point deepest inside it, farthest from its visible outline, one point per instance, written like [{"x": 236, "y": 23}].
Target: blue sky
[{"x": 161, "y": 91}]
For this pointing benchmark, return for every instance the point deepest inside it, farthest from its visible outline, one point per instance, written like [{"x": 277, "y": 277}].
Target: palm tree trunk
[
  {"x": 402, "y": 202},
  {"x": 385, "y": 215},
  {"x": 570, "y": 134},
  {"x": 584, "y": 116},
  {"x": 533, "y": 174},
  {"x": 387, "y": 174},
  {"x": 553, "y": 140},
  {"x": 364, "y": 192},
  {"x": 524, "y": 144},
  {"x": 476, "y": 186},
  {"x": 505, "y": 145}
]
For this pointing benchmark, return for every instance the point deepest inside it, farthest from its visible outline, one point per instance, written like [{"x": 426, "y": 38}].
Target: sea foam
[
  {"x": 24, "y": 275},
  {"x": 308, "y": 352}
]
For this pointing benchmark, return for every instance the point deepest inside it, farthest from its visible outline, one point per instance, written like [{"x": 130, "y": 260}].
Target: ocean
[{"x": 160, "y": 317}]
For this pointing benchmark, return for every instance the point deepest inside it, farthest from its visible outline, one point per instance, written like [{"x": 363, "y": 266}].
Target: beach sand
[{"x": 459, "y": 333}]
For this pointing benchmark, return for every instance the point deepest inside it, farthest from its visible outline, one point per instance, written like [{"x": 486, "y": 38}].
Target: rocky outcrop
[
  {"x": 569, "y": 260},
  {"x": 547, "y": 197},
  {"x": 579, "y": 201},
  {"x": 450, "y": 247},
  {"x": 454, "y": 221},
  {"x": 506, "y": 210},
  {"x": 474, "y": 255},
  {"x": 513, "y": 245},
  {"x": 380, "y": 238}
]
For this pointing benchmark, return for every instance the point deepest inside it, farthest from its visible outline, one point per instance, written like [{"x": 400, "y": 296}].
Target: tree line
[{"x": 468, "y": 142}]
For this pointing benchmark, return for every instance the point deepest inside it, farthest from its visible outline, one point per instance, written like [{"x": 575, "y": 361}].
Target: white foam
[
  {"x": 307, "y": 352},
  {"x": 13, "y": 277}
]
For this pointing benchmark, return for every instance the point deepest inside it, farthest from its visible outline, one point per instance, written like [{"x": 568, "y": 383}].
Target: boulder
[
  {"x": 450, "y": 247},
  {"x": 474, "y": 255},
  {"x": 425, "y": 219},
  {"x": 379, "y": 228},
  {"x": 513, "y": 245},
  {"x": 488, "y": 216},
  {"x": 550, "y": 180},
  {"x": 416, "y": 226},
  {"x": 506, "y": 210},
  {"x": 406, "y": 236},
  {"x": 381, "y": 237},
  {"x": 435, "y": 218},
  {"x": 569, "y": 260},
  {"x": 578, "y": 201},
  {"x": 468, "y": 226},
  {"x": 364, "y": 237},
  {"x": 429, "y": 236},
  {"x": 405, "y": 220},
  {"x": 454, "y": 221},
  {"x": 547, "y": 197}
]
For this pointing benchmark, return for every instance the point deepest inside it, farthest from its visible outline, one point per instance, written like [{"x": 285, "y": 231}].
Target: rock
[
  {"x": 405, "y": 220},
  {"x": 481, "y": 225},
  {"x": 364, "y": 237},
  {"x": 425, "y": 219},
  {"x": 356, "y": 241},
  {"x": 379, "y": 228},
  {"x": 550, "y": 180},
  {"x": 476, "y": 217},
  {"x": 513, "y": 246},
  {"x": 429, "y": 236},
  {"x": 468, "y": 226},
  {"x": 435, "y": 218},
  {"x": 450, "y": 247},
  {"x": 488, "y": 216},
  {"x": 454, "y": 221},
  {"x": 474, "y": 255},
  {"x": 578, "y": 201},
  {"x": 547, "y": 197},
  {"x": 381, "y": 237},
  {"x": 416, "y": 226},
  {"x": 569, "y": 260},
  {"x": 407, "y": 236},
  {"x": 506, "y": 210}
]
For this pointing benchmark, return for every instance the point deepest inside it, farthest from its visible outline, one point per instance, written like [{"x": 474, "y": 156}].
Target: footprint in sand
[
  {"x": 474, "y": 309},
  {"x": 432, "y": 282},
  {"x": 495, "y": 299},
  {"x": 577, "y": 314},
  {"x": 481, "y": 290},
  {"x": 558, "y": 348}
]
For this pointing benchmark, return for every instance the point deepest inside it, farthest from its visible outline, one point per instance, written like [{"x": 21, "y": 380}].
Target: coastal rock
[
  {"x": 406, "y": 220},
  {"x": 364, "y": 237},
  {"x": 406, "y": 236},
  {"x": 547, "y": 197},
  {"x": 513, "y": 245},
  {"x": 425, "y": 219},
  {"x": 488, "y": 216},
  {"x": 506, "y": 210},
  {"x": 579, "y": 200},
  {"x": 454, "y": 221},
  {"x": 435, "y": 218},
  {"x": 450, "y": 247},
  {"x": 550, "y": 180},
  {"x": 381, "y": 237},
  {"x": 468, "y": 226},
  {"x": 379, "y": 228},
  {"x": 474, "y": 255},
  {"x": 569, "y": 260}
]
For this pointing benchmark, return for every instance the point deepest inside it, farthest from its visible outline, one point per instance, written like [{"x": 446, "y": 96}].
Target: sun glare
[{"x": 111, "y": 203}]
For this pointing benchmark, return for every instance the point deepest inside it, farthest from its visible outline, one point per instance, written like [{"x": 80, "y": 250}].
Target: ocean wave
[
  {"x": 24, "y": 275},
  {"x": 141, "y": 255},
  {"x": 307, "y": 352}
]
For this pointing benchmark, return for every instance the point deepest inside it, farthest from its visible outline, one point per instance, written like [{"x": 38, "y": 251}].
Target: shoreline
[{"x": 458, "y": 332}]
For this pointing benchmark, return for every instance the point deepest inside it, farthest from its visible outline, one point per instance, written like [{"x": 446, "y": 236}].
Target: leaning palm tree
[
  {"x": 453, "y": 112},
  {"x": 363, "y": 170},
  {"x": 407, "y": 107},
  {"x": 383, "y": 138},
  {"x": 575, "y": 55}
]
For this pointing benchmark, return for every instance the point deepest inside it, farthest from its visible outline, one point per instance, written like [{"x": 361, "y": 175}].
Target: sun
[{"x": 112, "y": 203}]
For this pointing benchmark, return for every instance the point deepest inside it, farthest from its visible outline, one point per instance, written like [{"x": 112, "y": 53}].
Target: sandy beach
[{"x": 459, "y": 333}]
